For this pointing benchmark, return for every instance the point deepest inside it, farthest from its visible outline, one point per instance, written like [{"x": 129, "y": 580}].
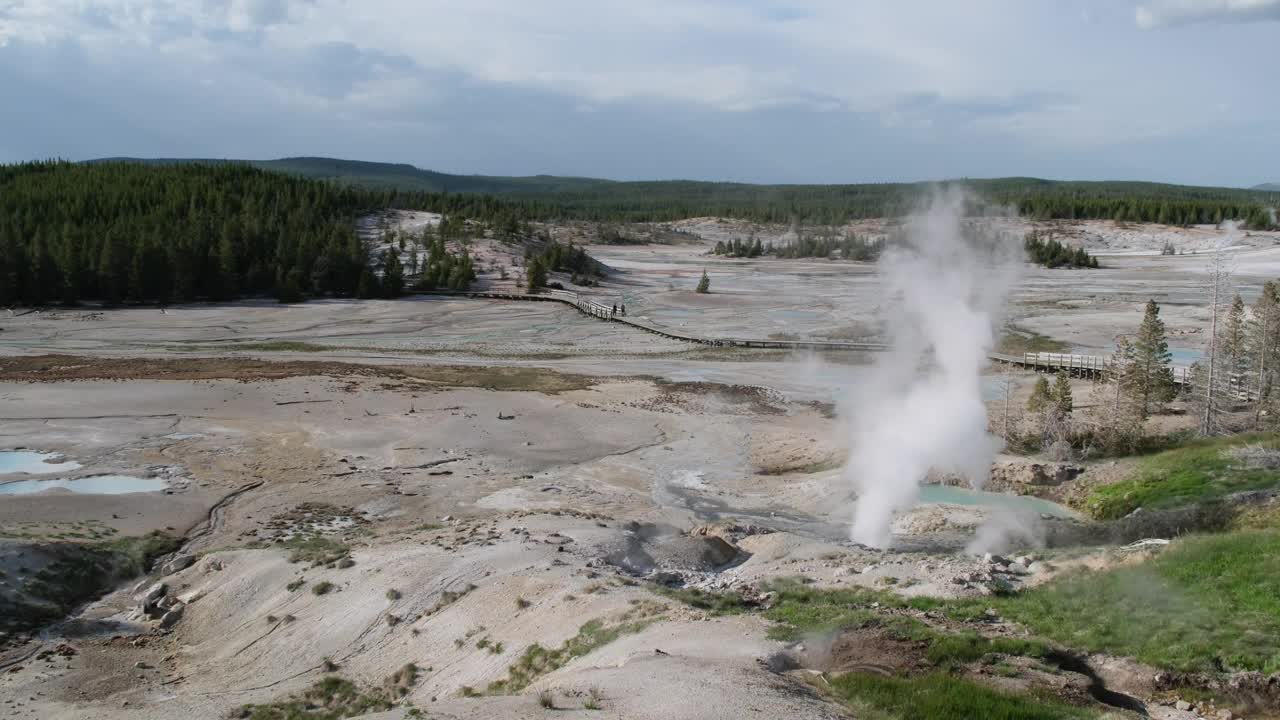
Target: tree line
[
  {"x": 118, "y": 232},
  {"x": 846, "y": 247},
  {"x": 1053, "y": 254},
  {"x": 553, "y": 256}
]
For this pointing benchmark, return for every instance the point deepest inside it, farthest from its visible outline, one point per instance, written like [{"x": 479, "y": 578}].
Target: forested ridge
[
  {"x": 181, "y": 230},
  {"x": 548, "y": 197},
  {"x": 172, "y": 232}
]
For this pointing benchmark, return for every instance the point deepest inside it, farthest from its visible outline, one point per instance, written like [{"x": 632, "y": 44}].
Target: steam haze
[{"x": 922, "y": 407}]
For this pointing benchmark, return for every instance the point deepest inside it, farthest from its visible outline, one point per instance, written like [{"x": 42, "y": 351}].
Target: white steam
[{"x": 923, "y": 407}]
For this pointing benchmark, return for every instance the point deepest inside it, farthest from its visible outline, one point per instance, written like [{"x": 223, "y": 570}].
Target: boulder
[
  {"x": 153, "y": 593},
  {"x": 177, "y": 564},
  {"x": 172, "y": 617}
]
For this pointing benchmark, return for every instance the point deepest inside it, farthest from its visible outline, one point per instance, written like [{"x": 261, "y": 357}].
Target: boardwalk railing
[
  {"x": 1089, "y": 366},
  {"x": 1083, "y": 365}
]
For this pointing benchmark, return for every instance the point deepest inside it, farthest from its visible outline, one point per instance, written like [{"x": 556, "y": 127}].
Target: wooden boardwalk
[{"x": 1086, "y": 366}]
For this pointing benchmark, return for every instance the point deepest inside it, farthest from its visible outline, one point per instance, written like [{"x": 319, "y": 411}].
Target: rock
[
  {"x": 669, "y": 579},
  {"x": 172, "y": 617},
  {"x": 993, "y": 559},
  {"x": 191, "y": 596},
  {"x": 212, "y": 565},
  {"x": 153, "y": 593},
  {"x": 141, "y": 666},
  {"x": 182, "y": 562},
  {"x": 1225, "y": 714},
  {"x": 1182, "y": 705},
  {"x": 1024, "y": 560},
  {"x": 1017, "y": 569},
  {"x": 447, "y": 518}
]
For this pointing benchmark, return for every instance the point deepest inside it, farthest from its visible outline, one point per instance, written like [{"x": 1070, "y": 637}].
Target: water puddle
[
  {"x": 94, "y": 485},
  {"x": 34, "y": 463},
  {"x": 935, "y": 494}
]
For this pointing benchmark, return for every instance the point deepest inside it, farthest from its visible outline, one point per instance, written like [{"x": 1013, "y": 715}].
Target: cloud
[
  {"x": 1166, "y": 13},
  {"x": 722, "y": 89}
]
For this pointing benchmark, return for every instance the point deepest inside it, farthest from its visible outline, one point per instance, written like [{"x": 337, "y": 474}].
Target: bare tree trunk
[
  {"x": 1262, "y": 368},
  {"x": 1008, "y": 369},
  {"x": 1206, "y": 423},
  {"x": 1219, "y": 276}
]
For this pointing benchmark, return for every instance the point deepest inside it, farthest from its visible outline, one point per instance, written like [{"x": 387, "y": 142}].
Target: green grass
[
  {"x": 141, "y": 550},
  {"x": 1199, "y": 471},
  {"x": 324, "y": 587},
  {"x": 1016, "y": 341},
  {"x": 1207, "y": 603},
  {"x": 281, "y": 346},
  {"x": 939, "y": 696},
  {"x": 800, "y": 611},
  {"x": 726, "y": 603},
  {"x": 315, "y": 549},
  {"x": 538, "y": 660},
  {"x": 332, "y": 698}
]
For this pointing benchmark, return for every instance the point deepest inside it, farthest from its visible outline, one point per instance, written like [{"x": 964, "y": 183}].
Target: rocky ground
[{"x": 472, "y": 509}]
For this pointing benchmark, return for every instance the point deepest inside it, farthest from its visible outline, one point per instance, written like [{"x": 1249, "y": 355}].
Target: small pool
[
  {"x": 933, "y": 494},
  {"x": 1185, "y": 356},
  {"x": 92, "y": 485},
  {"x": 34, "y": 463}
]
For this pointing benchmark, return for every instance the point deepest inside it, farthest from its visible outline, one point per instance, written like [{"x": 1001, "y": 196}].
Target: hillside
[
  {"x": 549, "y": 197},
  {"x": 1267, "y": 187}
]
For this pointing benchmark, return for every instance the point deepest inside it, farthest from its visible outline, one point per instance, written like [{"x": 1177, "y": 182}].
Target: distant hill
[
  {"x": 550, "y": 196},
  {"x": 1267, "y": 187},
  {"x": 393, "y": 176}
]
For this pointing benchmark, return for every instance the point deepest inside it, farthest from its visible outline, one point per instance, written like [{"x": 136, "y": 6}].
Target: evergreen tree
[
  {"x": 367, "y": 287},
  {"x": 1234, "y": 343},
  {"x": 536, "y": 274},
  {"x": 1117, "y": 415},
  {"x": 1041, "y": 395},
  {"x": 1264, "y": 348},
  {"x": 1149, "y": 378},
  {"x": 704, "y": 285},
  {"x": 392, "y": 274},
  {"x": 1062, "y": 400}
]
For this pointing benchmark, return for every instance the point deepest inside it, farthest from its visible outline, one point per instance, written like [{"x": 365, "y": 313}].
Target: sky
[{"x": 1182, "y": 91}]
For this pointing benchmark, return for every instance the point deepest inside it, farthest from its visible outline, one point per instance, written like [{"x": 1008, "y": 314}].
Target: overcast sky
[{"x": 787, "y": 91}]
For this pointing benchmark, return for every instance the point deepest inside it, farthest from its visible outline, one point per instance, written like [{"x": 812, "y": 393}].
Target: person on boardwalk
[
  {"x": 624, "y": 309},
  {"x": 615, "y": 310}
]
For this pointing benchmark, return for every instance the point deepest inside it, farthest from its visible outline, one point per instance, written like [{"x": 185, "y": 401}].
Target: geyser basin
[
  {"x": 938, "y": 494},
  {"x": 34, "y": 463},
  {"x": 92, "y": 485}
]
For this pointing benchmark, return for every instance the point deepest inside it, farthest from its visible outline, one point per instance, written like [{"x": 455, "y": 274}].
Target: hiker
[
  {"x": 615, "y": 310},
  {"x": 624, "y": 309}
]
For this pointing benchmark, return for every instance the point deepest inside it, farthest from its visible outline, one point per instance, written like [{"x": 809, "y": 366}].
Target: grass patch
[
  {"x": 142, "y": 550},
  {"x": 801, "y": 611},
  {"x": 537, "y": 660},
  {"x": 1208, "y": 603},
  {"x": 726, "y": 603},
  {"x": 1199, "y": 471},
  {"x": 939, "y": 696},
  {"x": 324, "y": 587},
  {"x": 332, "y": 698},
  {"x": 282, "y": 346},
  {"x": 315, "y": 549},
  {"x": 1016, "y": 341}
]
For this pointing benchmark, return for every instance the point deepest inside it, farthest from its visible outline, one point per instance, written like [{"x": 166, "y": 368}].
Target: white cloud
[
  {"x": 1162, "y": 13},
  {"x": 1047, "y": 77}
]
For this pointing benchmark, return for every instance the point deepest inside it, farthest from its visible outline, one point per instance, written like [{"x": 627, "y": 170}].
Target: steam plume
[{"x": 922, "y": 408}]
